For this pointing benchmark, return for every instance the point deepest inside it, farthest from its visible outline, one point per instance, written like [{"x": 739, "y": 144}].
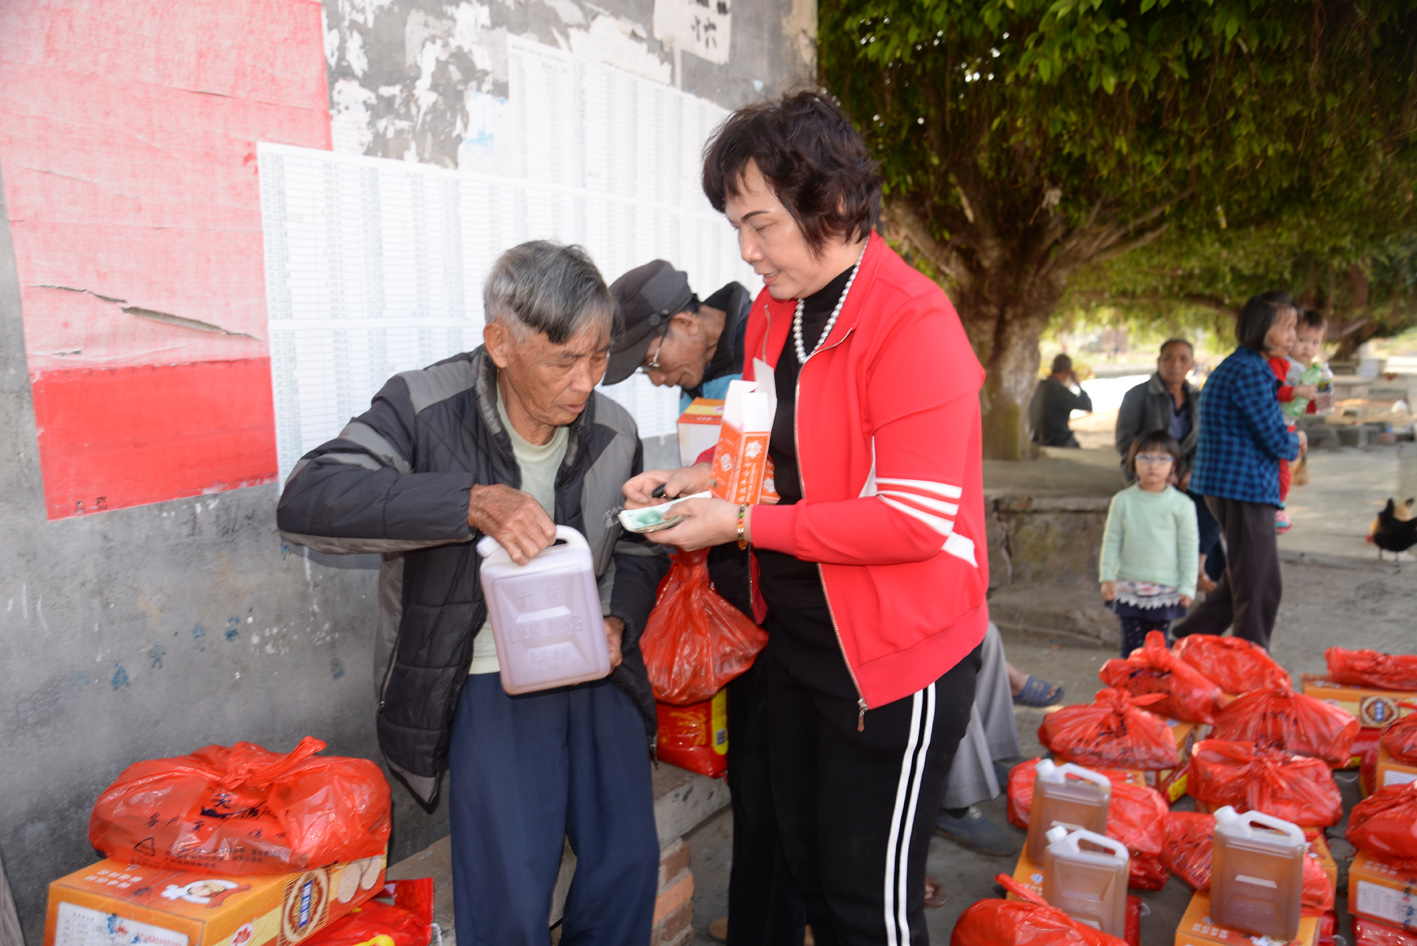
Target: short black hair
[
  {"x": 1178, "y": 340},
  {"x": 811, "y": 157},
  {"x": 1257, "y": 317},
  {"x": 1062, "y": 363},
  {"x": 1311, "y": 318},
  {"x": 1159, "y": 439}
]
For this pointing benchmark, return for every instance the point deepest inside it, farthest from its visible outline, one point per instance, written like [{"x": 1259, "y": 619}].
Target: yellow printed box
[
  {"x": 113, "y": 903},
  {"x": 1373, "y": 708},
  {"x": 1196, "y": 928},
  {"x": 1392, "y": 772},
  {"x": 1172, "y": 782},
  {"x": 1382, "y": 893}
]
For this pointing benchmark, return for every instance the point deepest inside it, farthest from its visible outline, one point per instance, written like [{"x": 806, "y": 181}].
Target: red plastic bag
[
  {"x": 1112, "y": 732},
  {"x": 244, "y": 810},
  {"x": 1296, "y": 788},
  {"x": 1400, "y": 739},
  {"x": 695, "y": 737},
  {"x": 1134, "y": 818},
  {"x": 1154, "y": 668},
  {"x": 1031, "y": 922},
  {"x": 1279, "y": 718},
  {"x": 1187, "y": 854},
  {"x": 1384, "y": 826},
  {"x": 695, "y": 641},
  {"x": 399, "y": 915},
  {"x": 1369, "y": 668},
  {"x": 1232, "y": 663},
  {"x": 1368, "y": 932}
]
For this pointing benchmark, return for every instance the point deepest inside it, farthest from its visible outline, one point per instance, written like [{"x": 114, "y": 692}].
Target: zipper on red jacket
[{"x": 861, "y": 706}]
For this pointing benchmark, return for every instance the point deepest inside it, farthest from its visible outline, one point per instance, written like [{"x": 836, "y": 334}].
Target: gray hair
[{"x": 545, "y": 287}]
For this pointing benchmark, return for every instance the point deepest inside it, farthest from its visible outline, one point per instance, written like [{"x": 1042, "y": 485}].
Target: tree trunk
[{"x": 1005, "y": 329}]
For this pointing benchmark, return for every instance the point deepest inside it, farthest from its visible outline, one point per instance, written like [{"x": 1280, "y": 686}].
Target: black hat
[{"x": 647, "y": 297}]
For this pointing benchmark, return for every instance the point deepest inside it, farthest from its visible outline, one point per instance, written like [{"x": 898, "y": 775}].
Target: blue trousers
[{"x": 528, "y": 772}]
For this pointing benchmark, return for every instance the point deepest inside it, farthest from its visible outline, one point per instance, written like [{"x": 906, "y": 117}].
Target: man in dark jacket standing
[{"x": 507, "y": 441}]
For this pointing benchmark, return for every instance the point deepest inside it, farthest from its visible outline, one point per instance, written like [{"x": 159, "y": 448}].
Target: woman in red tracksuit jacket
[{"x": 870, "y": 573}]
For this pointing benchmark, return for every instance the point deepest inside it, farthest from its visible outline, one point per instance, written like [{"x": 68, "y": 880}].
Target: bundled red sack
[
  {"x": 1232, "y": 663},
  {"x": 1372, "y": 933},
  {"x": 1155, "y": 668},
  {"x": 1400, "y": 739},
  {"x": 1030, "y": 922},
  {"x": 1384, "y": 826},
  {"x": 1114, "y": 731},
  {"x": 1279, "y": 718},
  {"x": 1189, "y": 837},
  {"x": 694, "y": 737},
  {"x": 1247, "y": 777},
  {"x": 1134, "y": 817},
  {"x": 695, "y": 641},
  {"x": 399, "y": 915},
  {"x": 1370, "y": 668},
  {"x": 244, "y": 810}
]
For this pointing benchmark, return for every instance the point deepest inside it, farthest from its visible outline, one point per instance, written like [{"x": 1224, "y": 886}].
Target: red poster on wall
[{"x": 128, "y": 133}]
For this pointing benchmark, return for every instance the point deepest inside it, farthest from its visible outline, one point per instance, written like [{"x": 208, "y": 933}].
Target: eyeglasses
[
  {"x": 653, "y": 363},
  {"x": 1155, "y": 458}
]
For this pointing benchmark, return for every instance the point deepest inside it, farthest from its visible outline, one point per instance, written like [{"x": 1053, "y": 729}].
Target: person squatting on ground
[
  {"x": 665, "y": 333},
  {"x": 872, "y": 568},
  {"x": 508, "y": 441},
  {"x": 1167, "y": 401},
  {"x": 1243, "y": 437},
  {"x": 1053, "y": 404},
  {"x": 1148, "y": 564}
]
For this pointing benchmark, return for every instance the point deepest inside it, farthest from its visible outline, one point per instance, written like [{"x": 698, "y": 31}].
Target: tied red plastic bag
[
  {"x": 1384, "y": 826},
  {"x": 1232, "y": 663},
  {"x": 244, "y": 810},
  {"x": 1372, "y": 933},
  {"x": 1113, "y": 732},
  {"x": 695, "y": 641},
  {"x": 1134, "y": 817},
  {"x": 1400, "y": 739},
  {"x": 1154, "y": 668},
  {"x": 1296, "y": 788},
  {"x": 1030, "y": 922},
  {"x": 1188, "y": 850},
  {"x": 1279, "y": 718},
  {"x": 1370, "y": 668},
  {"x": 399, "y": 915},
  {"x": 695, "y": 737}
]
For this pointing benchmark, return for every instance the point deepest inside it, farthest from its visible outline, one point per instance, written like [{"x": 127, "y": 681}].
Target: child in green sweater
[{"x": 1148, "y": 565}]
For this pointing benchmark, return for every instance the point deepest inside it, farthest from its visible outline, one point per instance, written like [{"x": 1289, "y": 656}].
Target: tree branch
[
  {"x": 907, "y": 225},
  {"x": 1117, "y": 249}
]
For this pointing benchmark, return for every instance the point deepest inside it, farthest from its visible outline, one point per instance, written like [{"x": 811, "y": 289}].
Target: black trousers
[
  {"x": 856, "y": 810},
  {"x": 1247, "y": 594},
  {"x": 764, "y": 908}
]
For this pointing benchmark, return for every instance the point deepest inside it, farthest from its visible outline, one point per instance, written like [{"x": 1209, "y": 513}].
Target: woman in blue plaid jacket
[{"x": 1242, "y": 439}]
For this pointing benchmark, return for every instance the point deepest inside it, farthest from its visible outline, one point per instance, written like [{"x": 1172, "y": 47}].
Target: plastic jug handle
[
  {"x": 572, "y": 537},
  {"x": 1101, "y": 840},
  {"x": 1087, "y": 775},
  {"x": 1287, "y": 828}
]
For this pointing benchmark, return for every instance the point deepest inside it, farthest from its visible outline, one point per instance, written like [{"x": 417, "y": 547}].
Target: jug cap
[
  {"x": 1056, "y": 833},
  {"x": 1226, "y": 815}
]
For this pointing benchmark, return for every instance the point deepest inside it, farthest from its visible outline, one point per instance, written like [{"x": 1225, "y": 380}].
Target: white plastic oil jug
[
  {"x": 1257, "y": 873},
  {"x": 545, "y": 614},
  {"x": 1085, "y": 876},
  {"x": 1080, "y": 802}
]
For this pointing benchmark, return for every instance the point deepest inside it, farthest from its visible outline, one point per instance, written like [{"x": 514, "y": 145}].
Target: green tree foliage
[{"x": 1024, "y": 140}]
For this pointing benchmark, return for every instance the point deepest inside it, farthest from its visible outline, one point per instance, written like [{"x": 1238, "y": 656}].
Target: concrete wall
[{"x": 153, "y": 630}]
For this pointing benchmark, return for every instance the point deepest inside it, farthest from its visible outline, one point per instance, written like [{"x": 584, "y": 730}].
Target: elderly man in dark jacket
[{"x": 507, "y": 441}]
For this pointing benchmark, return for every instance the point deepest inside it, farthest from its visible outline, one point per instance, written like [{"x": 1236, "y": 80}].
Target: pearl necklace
[{"x": 802, "y": 355}]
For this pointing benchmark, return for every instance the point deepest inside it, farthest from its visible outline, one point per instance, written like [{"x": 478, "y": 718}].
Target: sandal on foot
[
  {"x": 1038, "y": 693},
  {"x": 934, "y": 893}
]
